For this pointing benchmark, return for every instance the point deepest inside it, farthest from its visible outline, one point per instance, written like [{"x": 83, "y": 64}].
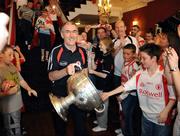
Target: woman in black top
[{"x": 103, "y": 74}]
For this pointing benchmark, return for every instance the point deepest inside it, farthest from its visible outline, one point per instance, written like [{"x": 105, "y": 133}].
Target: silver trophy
[{"x": 81, "y": 92}]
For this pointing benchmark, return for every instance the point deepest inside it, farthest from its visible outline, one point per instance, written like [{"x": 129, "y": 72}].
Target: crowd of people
[
  {"x": 142, "y": 73},
  {"x": 38, "y": 26}
]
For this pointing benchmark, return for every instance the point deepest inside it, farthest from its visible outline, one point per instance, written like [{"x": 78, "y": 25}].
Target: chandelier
[{"x": 104, "y": 8}]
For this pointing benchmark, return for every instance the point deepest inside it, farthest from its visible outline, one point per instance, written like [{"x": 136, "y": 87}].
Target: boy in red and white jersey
[
  {"x": 130, "y": 66},
  {"x": 128, "y": 100},
  {"x": 156, "y": 97}
]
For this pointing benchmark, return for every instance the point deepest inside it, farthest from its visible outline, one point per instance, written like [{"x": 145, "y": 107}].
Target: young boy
[
  {"x": 156, "y": 97},
  {"x": 128, "y": 100},
  {"x": 10, "y": 93}
]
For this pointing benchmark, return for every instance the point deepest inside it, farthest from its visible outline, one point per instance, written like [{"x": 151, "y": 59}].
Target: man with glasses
[{"x": 61, "y": 64}]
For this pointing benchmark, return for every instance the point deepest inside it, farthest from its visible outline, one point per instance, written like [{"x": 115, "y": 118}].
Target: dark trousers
[
  {"x": 129, "y": 104},
  {"x": 116, "y": 81},
  {"x": 79, "y": 120},
  {"x": 45, "y": 41},
  {"x": 26, "y": 31}
]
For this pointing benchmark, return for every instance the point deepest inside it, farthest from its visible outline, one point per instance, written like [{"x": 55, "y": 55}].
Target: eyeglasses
[{"x": 71, "y": 32}]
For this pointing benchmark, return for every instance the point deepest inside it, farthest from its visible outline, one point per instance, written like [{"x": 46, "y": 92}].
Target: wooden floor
[{"x": 40, "y": 124}]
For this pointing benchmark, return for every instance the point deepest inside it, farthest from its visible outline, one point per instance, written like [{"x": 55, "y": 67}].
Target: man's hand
[{"x": 70, "y": 69}]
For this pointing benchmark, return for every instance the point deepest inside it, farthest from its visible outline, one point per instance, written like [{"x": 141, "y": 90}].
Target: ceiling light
[{"x": 104, "y": 7}]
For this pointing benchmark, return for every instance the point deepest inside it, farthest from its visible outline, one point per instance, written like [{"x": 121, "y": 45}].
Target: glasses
[{"x": 71, "y": 32}]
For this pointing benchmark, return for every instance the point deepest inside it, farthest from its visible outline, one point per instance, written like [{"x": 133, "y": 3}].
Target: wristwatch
[{"x": 174, "y": 69}]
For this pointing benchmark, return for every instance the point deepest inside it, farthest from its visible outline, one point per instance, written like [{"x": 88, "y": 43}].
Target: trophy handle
[{"x": 100, "y": 109}]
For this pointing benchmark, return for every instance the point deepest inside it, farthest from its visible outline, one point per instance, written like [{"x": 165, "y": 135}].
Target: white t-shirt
[
  {"x": 118, "y": 59},
  {"x": 153, "y": 93}
]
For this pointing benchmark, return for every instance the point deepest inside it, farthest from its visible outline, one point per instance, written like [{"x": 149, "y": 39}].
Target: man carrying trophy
[{"x": 61, "y": 66}]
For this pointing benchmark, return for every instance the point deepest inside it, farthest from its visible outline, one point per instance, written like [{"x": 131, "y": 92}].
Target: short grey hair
[{"x": 67, "y": 23}]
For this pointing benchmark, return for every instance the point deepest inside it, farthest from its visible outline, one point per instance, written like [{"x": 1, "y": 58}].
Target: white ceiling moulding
[
  {"x": 92, "y": 9},
  {"x": 89, "y": 9}
]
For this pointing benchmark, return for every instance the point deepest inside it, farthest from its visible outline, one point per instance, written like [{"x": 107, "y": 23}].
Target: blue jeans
[
  {"x": 151, "y": 129},
  {"x": 128, "y": 107}
]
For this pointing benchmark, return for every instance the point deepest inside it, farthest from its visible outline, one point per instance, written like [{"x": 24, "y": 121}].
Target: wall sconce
[
  {"x": 78, "y": 23},
  {"x": 135, "y": 22},
  {"x": 53, "y": 7}
]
